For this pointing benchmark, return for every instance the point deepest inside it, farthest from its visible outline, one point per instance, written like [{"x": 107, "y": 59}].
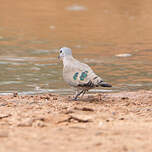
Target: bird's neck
[{"x": 67, "y": 60}]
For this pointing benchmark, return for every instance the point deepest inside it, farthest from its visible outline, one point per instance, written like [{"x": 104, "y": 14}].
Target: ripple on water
[
  {"x": 4, "y": 62},
  {"x": 40, "y": 51},
  {"x": 123, "y": 55},
  {"x": 12, "y": 63},
  {"x": 19, "y": 59},
  {"x": 39, "y": 41},
  {"x": 76, "y": 8},
  {"x": 134, "y": 85},
  {"x": 52, "y": 27},
  {"x": 43, "y": 65},
  {"x": 91, "y": 61},
  {"x": 35, "y": 68},
  {"x": 10, "y": 82}
]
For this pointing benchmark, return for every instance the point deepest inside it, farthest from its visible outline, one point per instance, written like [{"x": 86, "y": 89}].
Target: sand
[{"x": 109, "y": 122}]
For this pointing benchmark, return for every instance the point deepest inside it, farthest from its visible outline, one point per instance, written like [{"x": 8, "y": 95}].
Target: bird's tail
[
  {"x": 97, "y": 81},
  {"x": 104, "y": 84}
]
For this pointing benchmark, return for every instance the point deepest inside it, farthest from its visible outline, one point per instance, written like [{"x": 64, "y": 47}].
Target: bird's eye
[{"x": 60, "y": 51}]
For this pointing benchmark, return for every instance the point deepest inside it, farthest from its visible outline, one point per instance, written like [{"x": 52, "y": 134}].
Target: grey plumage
[{"x": 79, "y": 75}]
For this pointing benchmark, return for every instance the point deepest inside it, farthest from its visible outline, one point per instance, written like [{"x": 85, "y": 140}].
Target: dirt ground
[{"x": 109, "y": 122}]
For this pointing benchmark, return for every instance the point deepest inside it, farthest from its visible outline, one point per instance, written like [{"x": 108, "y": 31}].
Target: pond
[{"x": 113, "y": 37}]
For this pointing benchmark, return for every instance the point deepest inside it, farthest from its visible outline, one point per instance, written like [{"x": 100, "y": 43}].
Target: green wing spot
[
  {"x": 83, "y": 75},
  {"x": 75, "y": 75}
]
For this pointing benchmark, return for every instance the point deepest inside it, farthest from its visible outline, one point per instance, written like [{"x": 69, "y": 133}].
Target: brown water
[{"x": 97, "y": 31}]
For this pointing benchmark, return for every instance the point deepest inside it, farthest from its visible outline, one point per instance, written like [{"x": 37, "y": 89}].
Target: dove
[{"x": 79, "y": 75}]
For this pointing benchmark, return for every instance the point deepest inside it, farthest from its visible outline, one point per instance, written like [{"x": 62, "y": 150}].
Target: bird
[{"x": 79, "y": 75}]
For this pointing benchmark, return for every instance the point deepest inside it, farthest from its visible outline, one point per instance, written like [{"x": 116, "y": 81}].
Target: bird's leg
[
  {"x": 77, "y": 94},
  {"x": 84, "y": 91}
]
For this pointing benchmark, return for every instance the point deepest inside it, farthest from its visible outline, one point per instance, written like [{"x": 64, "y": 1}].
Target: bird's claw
[{"x": 74, "y": 99}]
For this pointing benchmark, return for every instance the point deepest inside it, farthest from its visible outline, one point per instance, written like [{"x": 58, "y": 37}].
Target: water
[{"x": 114, "y": 38}]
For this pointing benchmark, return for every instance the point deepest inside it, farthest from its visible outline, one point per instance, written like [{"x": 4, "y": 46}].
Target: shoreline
[{"x": 110, "y": 121}]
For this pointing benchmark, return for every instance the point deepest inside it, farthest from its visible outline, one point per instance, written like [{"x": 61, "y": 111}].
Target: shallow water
[{"x": 113, "y": 37}]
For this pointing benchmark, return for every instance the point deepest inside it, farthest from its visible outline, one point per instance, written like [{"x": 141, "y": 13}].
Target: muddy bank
[{"x": 108, "y": 121}]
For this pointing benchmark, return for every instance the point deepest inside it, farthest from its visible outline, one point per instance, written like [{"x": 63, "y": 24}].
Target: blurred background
[{"x": 113, "y": 37}]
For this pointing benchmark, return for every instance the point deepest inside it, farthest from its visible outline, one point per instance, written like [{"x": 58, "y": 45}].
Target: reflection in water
[{"x": 113, "y": 37}]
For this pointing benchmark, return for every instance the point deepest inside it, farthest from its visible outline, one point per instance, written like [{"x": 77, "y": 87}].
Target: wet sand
[{"x": 99, "y": 122}]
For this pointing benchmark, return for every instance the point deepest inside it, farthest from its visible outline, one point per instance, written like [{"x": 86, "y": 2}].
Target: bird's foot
[{"x": 74, "y": 99}]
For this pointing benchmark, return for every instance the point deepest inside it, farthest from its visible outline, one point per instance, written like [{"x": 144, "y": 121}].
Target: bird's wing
[{"x": 80, "y": 74}]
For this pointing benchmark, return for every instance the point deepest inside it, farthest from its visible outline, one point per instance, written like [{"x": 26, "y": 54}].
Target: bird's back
[{"x": 79, "y": 74}]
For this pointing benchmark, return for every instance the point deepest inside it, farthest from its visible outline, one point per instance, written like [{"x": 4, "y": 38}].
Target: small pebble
[
  {"x": 55, "y": 98},
  {"x": 100, "y": 124},
  {"x": 15, "y": 94},
  {"x": 123, "y": 98},
  {"x": 98, "y": 144},
  {"x": 3, "y": 104},
  {"x": 39, "y": 123},
  {"x": 110, "y": 119},
  {"x": 3, "y": 134},
  {"x": 27, "y": 122},
  {"x": 113, "y": 113}
]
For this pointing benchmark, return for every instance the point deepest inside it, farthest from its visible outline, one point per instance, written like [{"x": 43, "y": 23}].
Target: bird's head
[{"x": 64, "y": 52}]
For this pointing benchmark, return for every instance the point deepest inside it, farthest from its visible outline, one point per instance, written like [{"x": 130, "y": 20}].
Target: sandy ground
[{"x": 101, "y": 122}]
